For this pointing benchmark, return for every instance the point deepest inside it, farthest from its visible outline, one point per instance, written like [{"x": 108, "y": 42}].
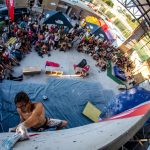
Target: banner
[
  {"x": 7, "y": 1},
  {"x": 11, "y": 9},
  {"x": 140, "y": 110}
]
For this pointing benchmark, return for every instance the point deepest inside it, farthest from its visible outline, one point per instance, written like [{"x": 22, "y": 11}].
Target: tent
[
  {"x": 57, "y": 18},
  {"x": 93, "y": 20},
  {"x": 110, "y": 36},
  {"x": 98, "y": 27},
  {"x": 103, "y": 25},
  {"x": 97, "y": 31}
]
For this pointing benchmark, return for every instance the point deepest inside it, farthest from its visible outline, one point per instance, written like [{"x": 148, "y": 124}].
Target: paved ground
[{"x": 66, "y": 60}]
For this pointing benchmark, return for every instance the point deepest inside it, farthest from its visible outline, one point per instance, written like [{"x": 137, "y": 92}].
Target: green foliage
[
  {"x": 103, "y": 9},
  {"x": 110, "y": 15},
  {"x": 124, "y": 11},
  {"x": 143, "y": 48},
  {"x": 119, "y": 10},
  {"x": 128, "y": 16},
  {"x": 108, "y": 2},
  {"x": 119, "y": 24},
  {"x": 133, "y": 25},
  {"x": 122, "y": 28},
  {"x": 146, "y": 39},
  {"x": 141, "y": 51}
]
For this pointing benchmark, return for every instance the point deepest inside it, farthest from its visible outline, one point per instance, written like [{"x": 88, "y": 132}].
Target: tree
[
  {"x": 128, "y": 16},
  {"x": 108, "y": 2}
]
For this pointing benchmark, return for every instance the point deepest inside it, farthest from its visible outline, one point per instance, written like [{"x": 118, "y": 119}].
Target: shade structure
[
  {"x": 93, "y": 20},
  {"x": 57, "y": 18},
  {"x": 109, "y": 36},
  {"x": 97, "y": 31},
  {"x": 99, "y": 28},
  {"x": 101, "y": 22},
  {"x": 103, "y": 25},
  {"x": 92, "y": 27}
]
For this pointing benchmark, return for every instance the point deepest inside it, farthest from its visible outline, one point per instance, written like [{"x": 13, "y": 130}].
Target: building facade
[{"x": 67, "y": 6}]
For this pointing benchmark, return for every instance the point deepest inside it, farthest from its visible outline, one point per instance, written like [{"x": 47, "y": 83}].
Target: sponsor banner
[{"x": 137, "y": 111}]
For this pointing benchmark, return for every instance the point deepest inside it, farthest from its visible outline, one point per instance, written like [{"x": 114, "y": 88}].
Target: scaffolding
[
  {"x": 140, "y": 141},
  {"x": 140, "y": 10}
]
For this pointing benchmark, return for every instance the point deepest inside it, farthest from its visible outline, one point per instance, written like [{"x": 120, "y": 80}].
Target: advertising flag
[
  {"x": 11, "y": 9},
  {"x": 7, "y": 1}
]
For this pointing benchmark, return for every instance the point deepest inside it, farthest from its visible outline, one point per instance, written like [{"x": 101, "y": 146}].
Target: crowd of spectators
[
  {"x": 103, "y": 51},
  {"x": 30, "y": 34}
]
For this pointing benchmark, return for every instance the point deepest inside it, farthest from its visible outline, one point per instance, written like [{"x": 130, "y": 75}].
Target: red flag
[
  {"x": 7, "y": 1},
  {"x": 11, "y": 9}
]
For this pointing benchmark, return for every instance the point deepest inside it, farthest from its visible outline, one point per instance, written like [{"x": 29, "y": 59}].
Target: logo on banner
[{"x": 59, "y": 21}]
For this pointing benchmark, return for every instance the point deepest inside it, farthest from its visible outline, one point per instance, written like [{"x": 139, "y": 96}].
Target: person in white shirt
[{"x": 56, "y": 40}]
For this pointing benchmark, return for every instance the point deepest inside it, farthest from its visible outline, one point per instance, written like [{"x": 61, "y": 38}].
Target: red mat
[{"x": 52, "y": 64}]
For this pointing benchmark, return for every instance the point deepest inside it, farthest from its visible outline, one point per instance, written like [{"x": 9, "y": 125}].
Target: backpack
[{"x": 83, "y": 63}]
